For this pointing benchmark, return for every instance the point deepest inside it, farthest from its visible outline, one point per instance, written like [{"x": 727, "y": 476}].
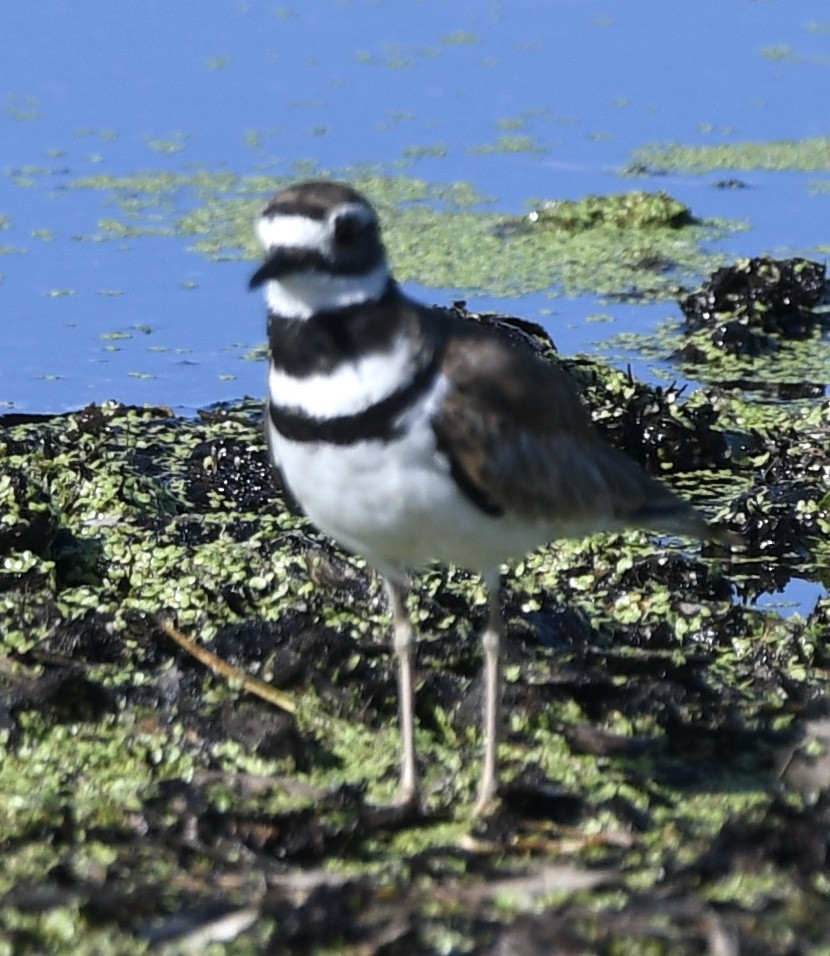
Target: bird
[{"x": 410, "y": 435}]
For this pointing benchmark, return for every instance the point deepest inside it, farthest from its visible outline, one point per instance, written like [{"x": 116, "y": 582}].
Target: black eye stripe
[
  {"x": 347, "y": 229},
  {"x": 310, "y": 260}
]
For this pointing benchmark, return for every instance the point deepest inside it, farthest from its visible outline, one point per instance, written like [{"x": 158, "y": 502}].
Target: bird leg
[
  {"x": 491, "y": 722},
  {"x": 403, "y": 642}
]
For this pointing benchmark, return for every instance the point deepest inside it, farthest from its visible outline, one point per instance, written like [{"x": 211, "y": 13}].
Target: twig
[{"x": 251, "y": 684}]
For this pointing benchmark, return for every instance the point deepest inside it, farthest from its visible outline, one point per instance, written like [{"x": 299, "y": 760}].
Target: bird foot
[
  {"x": 405, "y": 808},
  {"x": 488, "y": 800}
]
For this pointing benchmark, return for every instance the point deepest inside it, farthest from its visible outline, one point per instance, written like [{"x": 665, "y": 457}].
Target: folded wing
[{"x": 520, "y": 441}]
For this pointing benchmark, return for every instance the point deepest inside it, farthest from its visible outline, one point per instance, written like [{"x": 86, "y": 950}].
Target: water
[{"x": 93, "y": 89}]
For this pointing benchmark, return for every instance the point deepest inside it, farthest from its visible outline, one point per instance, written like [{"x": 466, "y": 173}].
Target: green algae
[
  {"x": 108, "y": 527},
  {"x": 792, "y": 363},
  {"x": 632, "y": 244},
  {"x": 175, "y": 143},
  {"x": 461, "y": 38},
  {"x": 785, "y": 53},
  {"x": 810, "y": 155},
  {"x": 24, "y": 109},
  {"x": 631, "y": 210},
  {"x": 508, "y": 144},
  {"x": 419, "y": 152}
]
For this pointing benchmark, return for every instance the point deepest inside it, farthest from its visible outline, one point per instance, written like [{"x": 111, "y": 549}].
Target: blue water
[{"x": 88, "y": 88}]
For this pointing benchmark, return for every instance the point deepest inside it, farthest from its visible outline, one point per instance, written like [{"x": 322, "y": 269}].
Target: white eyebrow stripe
[
  {"x": 302, "y": 232},
  {"x": 293, "y": 232}
]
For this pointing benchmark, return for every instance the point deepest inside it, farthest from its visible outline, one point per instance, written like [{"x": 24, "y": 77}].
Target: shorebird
[{"x": 410, "y": 435}]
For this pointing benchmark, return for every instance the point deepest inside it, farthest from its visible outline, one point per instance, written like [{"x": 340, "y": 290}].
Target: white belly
[{"x": 397, "y": 504}]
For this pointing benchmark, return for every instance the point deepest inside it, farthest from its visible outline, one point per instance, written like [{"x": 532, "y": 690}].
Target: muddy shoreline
[{"x": 666, "y": 772}]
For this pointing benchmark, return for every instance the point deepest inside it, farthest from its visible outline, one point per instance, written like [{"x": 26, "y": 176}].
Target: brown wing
[{"x": 520, "y": 441}]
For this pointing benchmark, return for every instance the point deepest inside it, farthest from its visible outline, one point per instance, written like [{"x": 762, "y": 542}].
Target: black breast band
[{"x": 378, "y": 422}]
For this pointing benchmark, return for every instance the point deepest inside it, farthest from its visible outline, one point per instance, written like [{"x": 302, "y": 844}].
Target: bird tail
[{"x": 677, "y": 516}]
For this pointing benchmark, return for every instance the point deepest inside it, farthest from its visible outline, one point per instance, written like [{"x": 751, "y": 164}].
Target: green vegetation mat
[{"x": 665, "y": 771}]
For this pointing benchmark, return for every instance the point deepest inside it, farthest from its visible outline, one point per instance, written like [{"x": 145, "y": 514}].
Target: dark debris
[
  {"x": 753, "y": 304},
  {"x": 695, "y": 717},
  {"x": 235, "y": 470},
  {"x": 786, "y": 511}
]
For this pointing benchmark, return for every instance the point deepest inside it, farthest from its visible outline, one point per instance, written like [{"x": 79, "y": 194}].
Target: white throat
[{"x": 303, "y": 295}]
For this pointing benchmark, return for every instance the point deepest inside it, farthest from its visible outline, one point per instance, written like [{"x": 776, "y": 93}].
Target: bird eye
[{"x": 346, "y": 231}]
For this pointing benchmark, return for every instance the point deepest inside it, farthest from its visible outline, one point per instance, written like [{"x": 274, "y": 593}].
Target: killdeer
[{"x": 411, "y": 436}]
